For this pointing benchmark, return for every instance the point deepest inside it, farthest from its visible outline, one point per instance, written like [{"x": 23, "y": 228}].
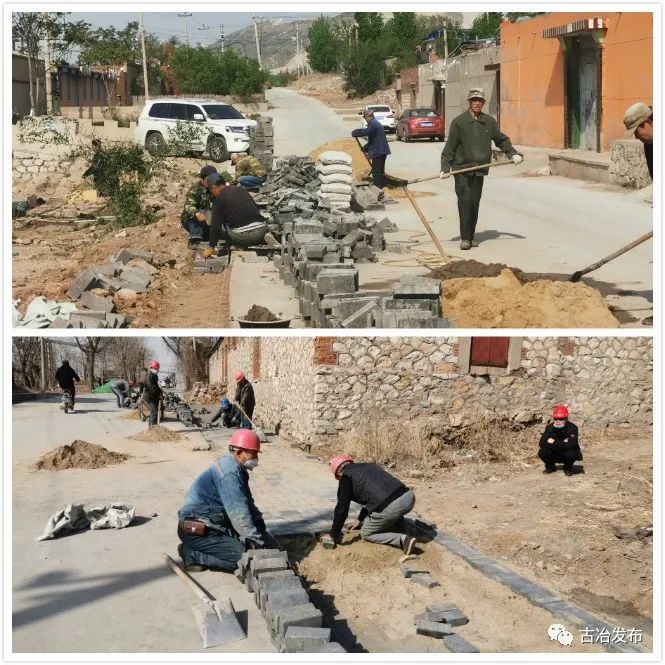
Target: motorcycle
[{"x": 66, "y": 402}]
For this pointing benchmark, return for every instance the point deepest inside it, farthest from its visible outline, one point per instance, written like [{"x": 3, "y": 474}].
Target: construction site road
[
  {"x": 108, "y": 591},
  {"x": 539, "y": 223}
]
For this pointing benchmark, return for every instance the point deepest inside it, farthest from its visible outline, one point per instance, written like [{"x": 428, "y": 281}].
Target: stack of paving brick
[
  {"x": 336, "y": 175},
  {"x": 294, "y": 623},
  {"x": 262, "y": 141},
  {"x": 439, "y": 620},
  {"x": 185, "y": 415}
]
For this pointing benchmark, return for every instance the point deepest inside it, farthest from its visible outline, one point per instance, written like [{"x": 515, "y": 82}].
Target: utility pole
[
  {"x": 146, "y": 89},
  {"x": 186, "y": 15},
  {"x": 445, "y": 40},
  {"x": 298, "y": 46},
  {"x": 256, "y": 37},
  {"x": 42, "y": 353},
  {"x": 48, "y": 81},
  {"x": 222, "y": 36}
]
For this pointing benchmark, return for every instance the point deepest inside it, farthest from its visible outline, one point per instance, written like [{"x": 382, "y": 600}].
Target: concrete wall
[
  {"x": 426, "y": 87},
  {"x": 468, "y": 71},
  {"x": 20, "y": 83},
  {"x": 316, "y": 387},
  {"x": 628, "y": 166},
  {"x": 532, "y": 75}
]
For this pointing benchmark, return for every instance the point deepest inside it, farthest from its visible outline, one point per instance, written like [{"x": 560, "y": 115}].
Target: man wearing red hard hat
[
  {"x": 560, "y": 443},
  {"x": 219, "y": 520},
  {"x": 152, "y": 393},
  {"x": 244, "y": 398},
  {"x": 384, "y": 500}
]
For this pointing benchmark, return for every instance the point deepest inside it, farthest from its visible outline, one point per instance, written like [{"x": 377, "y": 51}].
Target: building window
[
  {"x": 489, "y": 351},
  {"x": 490, "y": 355}
]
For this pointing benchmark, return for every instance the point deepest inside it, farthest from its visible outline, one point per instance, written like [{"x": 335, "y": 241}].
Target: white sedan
[{"x": 384, "y": 114}]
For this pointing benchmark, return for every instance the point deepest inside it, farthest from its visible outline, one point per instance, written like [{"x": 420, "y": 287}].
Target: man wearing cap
[
  {"x": 384, "y": 500},
  {"x": 470, "y": 144},
  {"x": 376, "y": 148},
  {"x": 638, "y": 119},
  {"x": 560, "y": 442},
  {"x": 197, "y": 204},
  {"x": 248, "y": 171},
  {"x": 244, "y": 398},
  {"x": 219, "y": 520}
]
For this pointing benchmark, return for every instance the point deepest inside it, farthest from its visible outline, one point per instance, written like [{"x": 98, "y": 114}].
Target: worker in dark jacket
[
  {"x": 152, "y": 393},
  {"x": 229, "y": 414},
  {"x": 244, "y": 398},
  {"x": 197, "y": 206},
  {"x": 67, "y": 379},
  {"x": 470, "y": 144},
  {"x": 236, "y": 219},
  {"x": 143, "y": 379},
  {"x": 96, "y": 167},
  {"x": 120, "y": 388},
  {"x": 384, "y": 500},
  {"x": 376, "y": 148},
  {"x": 560, "y": 443}
]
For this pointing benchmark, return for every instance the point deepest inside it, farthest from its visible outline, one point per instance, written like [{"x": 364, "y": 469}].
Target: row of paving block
[{"x": 294, "y": 623}]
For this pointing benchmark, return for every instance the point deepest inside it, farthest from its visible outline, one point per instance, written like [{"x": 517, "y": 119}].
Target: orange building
[{"x": 567, "y": 78}]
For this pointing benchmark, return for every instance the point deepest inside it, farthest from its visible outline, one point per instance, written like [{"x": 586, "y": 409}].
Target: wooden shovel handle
[
  {"x": 464, "y": 170},
  {"x": 191, "y": 583}
]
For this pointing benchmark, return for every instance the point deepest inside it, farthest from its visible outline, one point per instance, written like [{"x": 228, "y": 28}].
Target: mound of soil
[
  {"x": 359, "y": 165},
  {"x": 79, "y": 455},
  {"x": 473, "y": 268},
  {"x": 130, "y": 415},
  {"x": 505, "y": 302},
  {"x": 258, "y": 313},
  {"x": 156, "y": 433}
]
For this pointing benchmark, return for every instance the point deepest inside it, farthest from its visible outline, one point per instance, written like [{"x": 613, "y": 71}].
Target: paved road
[{"x": 537, "y": 223}]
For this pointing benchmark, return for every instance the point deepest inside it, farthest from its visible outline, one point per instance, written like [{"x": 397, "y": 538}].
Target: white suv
[
  {"x": 384, "y": 114},
  {"x": 223, "y": 129}
]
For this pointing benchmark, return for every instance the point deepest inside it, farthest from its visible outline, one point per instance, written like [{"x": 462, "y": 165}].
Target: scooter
[{"x": 66, "y": 401}]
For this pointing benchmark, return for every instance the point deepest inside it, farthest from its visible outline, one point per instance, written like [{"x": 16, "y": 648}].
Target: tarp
[
  {"x": 105, "y": 388},
  {"x": 75, "y": 517}
]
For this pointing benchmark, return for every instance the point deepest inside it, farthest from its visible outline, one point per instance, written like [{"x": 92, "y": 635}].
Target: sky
[{"x": 204, "y": 27}]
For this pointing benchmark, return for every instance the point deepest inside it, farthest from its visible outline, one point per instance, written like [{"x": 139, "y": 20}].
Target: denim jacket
[{"x": 221, "y": 498}]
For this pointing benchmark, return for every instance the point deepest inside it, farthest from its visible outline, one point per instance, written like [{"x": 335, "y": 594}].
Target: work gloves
[
  {"x": 444, "y": 174},
  {"x": 517, "y": 159},
  {"x": 208, "y": 252}
]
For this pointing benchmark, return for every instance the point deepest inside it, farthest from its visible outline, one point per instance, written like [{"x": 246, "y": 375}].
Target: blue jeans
[
  {"x": 197, "y": 230},
  {"x": 250, "y": 181},
  {"x": 216, "y": 550},
  {"x": 119, "y": 397}
]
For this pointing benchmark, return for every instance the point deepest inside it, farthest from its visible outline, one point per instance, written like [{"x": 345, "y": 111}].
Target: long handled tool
[
  {"x": 217, "y": 622},
  {"x": 576, "y": 276},
  {"x": 467, "y": 169},
  {"x": 259, "y": 432}
]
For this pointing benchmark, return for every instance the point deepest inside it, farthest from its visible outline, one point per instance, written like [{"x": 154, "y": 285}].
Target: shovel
[
  {"x": 217, "y": 622},
  {"x": 467, "y": 169},
  {"x": 576, "y": 276},
  {"x": 259, "y": 432}
]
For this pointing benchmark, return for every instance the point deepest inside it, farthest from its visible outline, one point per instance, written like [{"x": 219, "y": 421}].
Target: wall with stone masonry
[
  {"x": 628, "y": 165},
  {"x": 26, "y": 162}
]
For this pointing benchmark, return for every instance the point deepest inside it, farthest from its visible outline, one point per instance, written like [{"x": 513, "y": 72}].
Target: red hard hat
[
  {"x": 337, "y": 461},
  {"x": 239, "y": 376},
  {"x": 154, "y": 364},
  {"x": 246, "y": 439},
  {"x": 560, "y": 412}
]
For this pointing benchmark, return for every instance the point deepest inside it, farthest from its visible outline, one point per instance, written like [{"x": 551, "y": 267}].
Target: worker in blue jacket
[{"x": 377, "y": 147}]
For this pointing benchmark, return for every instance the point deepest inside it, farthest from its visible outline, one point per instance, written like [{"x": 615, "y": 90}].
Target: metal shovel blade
[{"x": 217, "y": 623}]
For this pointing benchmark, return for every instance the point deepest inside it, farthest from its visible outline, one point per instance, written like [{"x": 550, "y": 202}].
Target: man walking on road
[
  {"x": 197, "y": 204},
  {"x": 470, "y": 144},
  {"x": 219, "y": 520},
  {"x": 639, "y": 119},
  {"x": 66, "y": 378},
  {"x": 120, "y": 389},
  {"x": 244, "y": 398},
  {"x": 384, "y": 500},
  {"x": 377, "y": 148},
  {"x": 152, "y": 393}
]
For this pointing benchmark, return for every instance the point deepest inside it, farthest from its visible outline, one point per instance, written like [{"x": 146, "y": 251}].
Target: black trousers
[
  {"x": 469, "y": 189},
  {"x": 553, "y": 454},
  {"x": 379, "y": 171}
]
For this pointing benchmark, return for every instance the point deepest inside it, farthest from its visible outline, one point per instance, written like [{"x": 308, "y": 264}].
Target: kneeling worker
[
  {"x": 219, "y": 520},
  {"x": 384, "y": 500},
  {"x": 236, "y": 218},
  {"x": 228, "y": 413},
  {"x": 197, "y": 205},
  {"x": 560, "y": 443}
]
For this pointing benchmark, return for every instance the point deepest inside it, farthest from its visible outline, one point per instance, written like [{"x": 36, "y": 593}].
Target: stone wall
[
  {"x": 628, "y": 166},
  {"x": 27, "y": 162},
  {"x": 315, "y": 387}
]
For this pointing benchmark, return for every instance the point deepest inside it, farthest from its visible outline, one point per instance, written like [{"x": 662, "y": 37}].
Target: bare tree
[
  {"x": 128, "y": 356},
  {"x": 91, "y": 347},
  {"x": 193, "y": 354},
  {"x": 26, "y": 361}
]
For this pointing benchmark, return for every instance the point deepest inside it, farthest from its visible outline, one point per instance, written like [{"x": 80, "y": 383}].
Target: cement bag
[
  {"x": 336, "y": 177},
  {"x": 329, "y": 169},
  {"x": 335, "y": 157},
  {"x": 336, "y": 188},
  {"x": 335, "y": 197}
]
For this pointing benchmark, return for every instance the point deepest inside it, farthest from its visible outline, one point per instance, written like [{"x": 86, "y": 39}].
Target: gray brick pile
[
  {"x": 294, "y": 623},
  {"x": 439, "y": 620},
  {"x": 262, "y": 142}
]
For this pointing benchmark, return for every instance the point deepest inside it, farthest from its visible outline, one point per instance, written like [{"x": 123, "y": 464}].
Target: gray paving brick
[
  {"x": 84, "y": 281},
  {"x": 424, "y": 579},
  {"x": 457, "y": 644},
  {"x": 433, "y": 629},
  {"x": 305, "y": 638},
  {"x": 296, "y": 615},
  {"x": 331, "y": 647}
]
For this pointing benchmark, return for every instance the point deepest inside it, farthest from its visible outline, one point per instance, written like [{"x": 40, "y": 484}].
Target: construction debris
[
  {"x": 260, "y": 314},
  {"x": 43, "y": 313},
  {"x": 156, "y": 433},
  {"x": 75, "y": 517}
]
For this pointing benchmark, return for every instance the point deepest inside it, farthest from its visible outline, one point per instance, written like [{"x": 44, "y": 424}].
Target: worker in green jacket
[{"x": 470, "y": 144}]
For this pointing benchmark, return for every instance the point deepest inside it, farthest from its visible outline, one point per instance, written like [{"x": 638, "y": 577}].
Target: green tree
[
  {"x": 513, "y": 16},
  {"x": 370, "y": 26},
  {"x": 323, "y": 50},
  {"x": 364, "y": 70},
  {"x": 487, "y": 25}
]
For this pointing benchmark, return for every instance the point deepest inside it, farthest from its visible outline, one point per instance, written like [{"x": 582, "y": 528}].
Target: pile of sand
[
  {"x": 504, "y": 302},
  {"x": 79, "y": 455},
  {"x": 473, "y": 268},
  {"x": 261, "y": 314},
  {"x": 359, "y": 165},
  {"x": 130, "y": 415},
  {"x": 156, "y": 433}
]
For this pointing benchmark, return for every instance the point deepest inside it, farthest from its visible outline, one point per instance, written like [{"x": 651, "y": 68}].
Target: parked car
[
  {"x": 420, "y": 123},
  {"x": 222, "y": 128},
  {"x": 384, "y": 114}
]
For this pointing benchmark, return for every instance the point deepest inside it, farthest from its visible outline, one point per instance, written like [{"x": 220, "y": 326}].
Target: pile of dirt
[
  {"x": 79, "y": 455},
  {"x": 361, "y": 169},
  {"x": 259, "y": 314},
  {"x": 156, "y": 433},
  {"x": 130, "y": 415},
  {"x": 473, "y": 268},
  {"x": 505, "y": 302}
]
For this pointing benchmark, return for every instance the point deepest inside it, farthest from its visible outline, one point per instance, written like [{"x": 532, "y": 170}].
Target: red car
[{"x": 420, "y": 123}]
